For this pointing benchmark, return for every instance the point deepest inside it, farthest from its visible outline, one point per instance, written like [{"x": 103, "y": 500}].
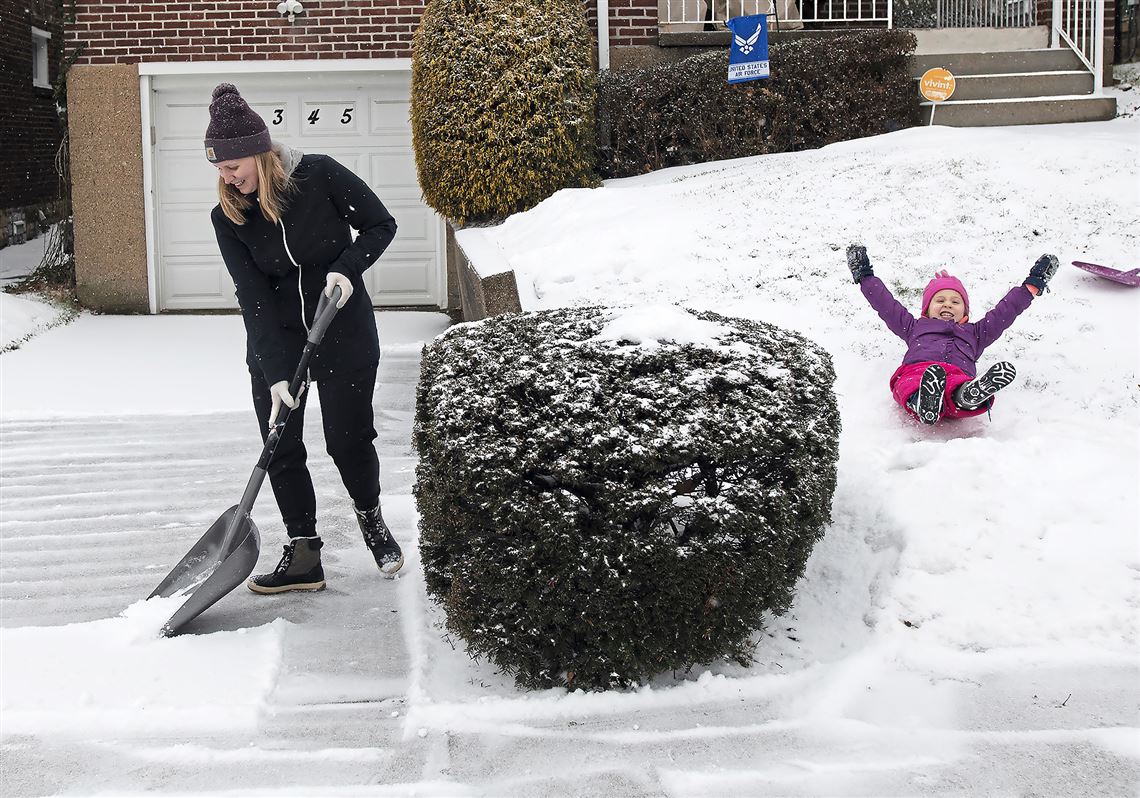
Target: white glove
[
  {"x": 279, "y": 392},
  {"x": 335, "y": 279}
]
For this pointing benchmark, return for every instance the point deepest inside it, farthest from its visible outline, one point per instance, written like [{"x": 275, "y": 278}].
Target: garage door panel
[
  {"x": 186, "y": 121},
  {"x": 360, "y": 119},
  {"x": 390, "y": 121},
  {"x": 392, "y": 169},
  {"x": 392, "y": 89},
  {"x": 187, "y": 230},
  {"x": 415, "y": 226},
  {"x": 282, "y": 115},
  {"x": 401, "y": 270},
  {"x": 399, "y": 276},
  {"x": 200, "y": 283},
  {"x": 188, "y": 177},
  {"x": 283, "y": 118}
]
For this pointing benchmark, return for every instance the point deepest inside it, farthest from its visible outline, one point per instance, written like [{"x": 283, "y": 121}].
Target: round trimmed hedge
[
  {"x": 503, "y": 104},
  {"x": 596, "y": 509}
]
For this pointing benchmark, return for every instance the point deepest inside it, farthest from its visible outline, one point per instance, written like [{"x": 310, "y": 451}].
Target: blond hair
[{"x": 273, "y": 187}]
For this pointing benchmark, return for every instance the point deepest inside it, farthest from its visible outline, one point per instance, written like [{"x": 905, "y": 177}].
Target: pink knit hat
[{"x": 941, "y": 281}]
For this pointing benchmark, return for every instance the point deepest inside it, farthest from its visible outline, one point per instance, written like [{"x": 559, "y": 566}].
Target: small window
[{"x": 40, "y": 76}]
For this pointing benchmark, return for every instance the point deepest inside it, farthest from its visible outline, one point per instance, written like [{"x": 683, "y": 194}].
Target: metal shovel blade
[{"x": 208, "y": 572}]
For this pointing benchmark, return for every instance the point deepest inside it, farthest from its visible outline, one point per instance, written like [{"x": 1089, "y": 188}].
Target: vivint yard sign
[
  {"x": 748, "y": 53},
  {"x": 936, "y": 85}
]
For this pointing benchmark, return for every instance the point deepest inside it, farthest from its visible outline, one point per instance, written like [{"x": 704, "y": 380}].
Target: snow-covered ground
[
  {"x": 967, "y": 626},
  {"x": 24, "y": 317},
  {"x": 19, "y": 260}
]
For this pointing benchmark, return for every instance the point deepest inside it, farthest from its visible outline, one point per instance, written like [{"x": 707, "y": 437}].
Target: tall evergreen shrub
[{"x": 503, "y": 104}]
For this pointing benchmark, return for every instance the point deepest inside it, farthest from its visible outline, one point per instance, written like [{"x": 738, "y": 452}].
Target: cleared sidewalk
[{"x": 122, "y": 438}]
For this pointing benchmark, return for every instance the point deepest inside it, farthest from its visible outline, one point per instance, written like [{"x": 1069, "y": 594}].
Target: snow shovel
[{"x": 225, "y": 556}]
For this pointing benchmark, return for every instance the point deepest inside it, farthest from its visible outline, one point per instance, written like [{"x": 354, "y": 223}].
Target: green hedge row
[{"x": 822, "y": 90}]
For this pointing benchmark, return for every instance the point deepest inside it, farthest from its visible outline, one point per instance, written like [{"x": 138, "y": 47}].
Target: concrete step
[
  {"x": 1022, "y": 111},
  {"x": 1059, "y": 59},
  {"x": 1022, "y": 84},
  {"x": 979, "y": 40}
]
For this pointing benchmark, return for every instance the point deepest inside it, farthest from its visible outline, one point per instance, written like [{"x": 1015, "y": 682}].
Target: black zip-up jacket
[{"x": 272, "y": 277}]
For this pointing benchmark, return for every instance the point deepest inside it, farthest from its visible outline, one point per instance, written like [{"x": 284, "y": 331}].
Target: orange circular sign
[{"x": 936, "y": 84}]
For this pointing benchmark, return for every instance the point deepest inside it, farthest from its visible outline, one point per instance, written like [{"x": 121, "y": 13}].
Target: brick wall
[
  {"x": 221, "y": 30},
  {"x": 1045, "y": 17},
  {"x": 29, "y": 127},
  {"x": 632, "y": 22}
]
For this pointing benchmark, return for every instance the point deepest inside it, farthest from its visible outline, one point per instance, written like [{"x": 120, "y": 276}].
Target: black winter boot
[
  {"x": 926, "y": 402},
  {"x": 975, "y": 394},
  {"x": 299, "y": 569},
  {"x": 385, "y": 550}
]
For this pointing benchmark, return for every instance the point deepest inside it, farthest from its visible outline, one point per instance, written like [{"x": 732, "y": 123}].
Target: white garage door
[{"x": 358, "y": 118}]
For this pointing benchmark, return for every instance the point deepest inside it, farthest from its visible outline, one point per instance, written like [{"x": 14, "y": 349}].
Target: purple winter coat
[{"x": 939, "y": 341}]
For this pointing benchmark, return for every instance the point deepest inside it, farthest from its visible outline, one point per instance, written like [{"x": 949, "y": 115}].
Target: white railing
[
  {"x": 696, "y": 15},
  {"x": 1079, "y": 25},
  {"x": 986, "y": 14}
]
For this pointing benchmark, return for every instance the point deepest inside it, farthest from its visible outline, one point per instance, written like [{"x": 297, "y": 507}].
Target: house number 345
[{"x": 314, "y": 116}]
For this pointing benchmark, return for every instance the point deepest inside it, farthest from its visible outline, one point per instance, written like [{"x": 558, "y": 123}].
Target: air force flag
[{"x": 748, "y": 55}]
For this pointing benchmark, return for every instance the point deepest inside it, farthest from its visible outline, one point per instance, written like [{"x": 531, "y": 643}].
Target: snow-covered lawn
[
  {"x": 24, "y": 316},
  {"x": 19, "y": 260},
  {"x": 968, "y": 625}
]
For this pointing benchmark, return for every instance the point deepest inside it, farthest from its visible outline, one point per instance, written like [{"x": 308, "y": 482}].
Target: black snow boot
[
  {"x": 975, "y": 394},
  {"x": 926, "y": 402},
  {"x": 385, "y": 550},
  {"x": 299, "y": 569}
]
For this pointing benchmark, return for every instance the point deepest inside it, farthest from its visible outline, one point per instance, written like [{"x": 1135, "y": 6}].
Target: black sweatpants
[{"x": 346, "y": 409}]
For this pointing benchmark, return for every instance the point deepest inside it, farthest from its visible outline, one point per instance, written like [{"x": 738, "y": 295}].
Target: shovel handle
[{"x": 326, "y": 309}]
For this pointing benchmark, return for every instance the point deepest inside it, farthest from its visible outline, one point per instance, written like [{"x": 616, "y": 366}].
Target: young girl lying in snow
[{"x": 936, "y": 378}]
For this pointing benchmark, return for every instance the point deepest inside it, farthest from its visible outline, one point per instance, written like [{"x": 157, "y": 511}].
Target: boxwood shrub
[
  {"x": 822, "y": 90},
  {"x": 596, "y": 510}
]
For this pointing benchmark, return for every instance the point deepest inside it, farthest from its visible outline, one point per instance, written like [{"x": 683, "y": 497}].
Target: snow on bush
[{"x": 606, "y": 495}]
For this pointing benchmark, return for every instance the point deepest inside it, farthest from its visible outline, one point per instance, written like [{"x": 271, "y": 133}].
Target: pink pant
[{"x": 904, "y": 382}]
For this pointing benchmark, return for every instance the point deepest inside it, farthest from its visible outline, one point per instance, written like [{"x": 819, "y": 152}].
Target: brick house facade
[
  {"x": 137, "y": 95},
  {"x": 29, "y": 127},
  {"x": 234, "y": 30},
  {"x": 135, "y": 57}
]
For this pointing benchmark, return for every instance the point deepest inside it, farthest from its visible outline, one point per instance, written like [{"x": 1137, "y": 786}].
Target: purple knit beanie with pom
[
  {"x": 235, "y": 130},
  {"x": 939, "y": 283}
]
